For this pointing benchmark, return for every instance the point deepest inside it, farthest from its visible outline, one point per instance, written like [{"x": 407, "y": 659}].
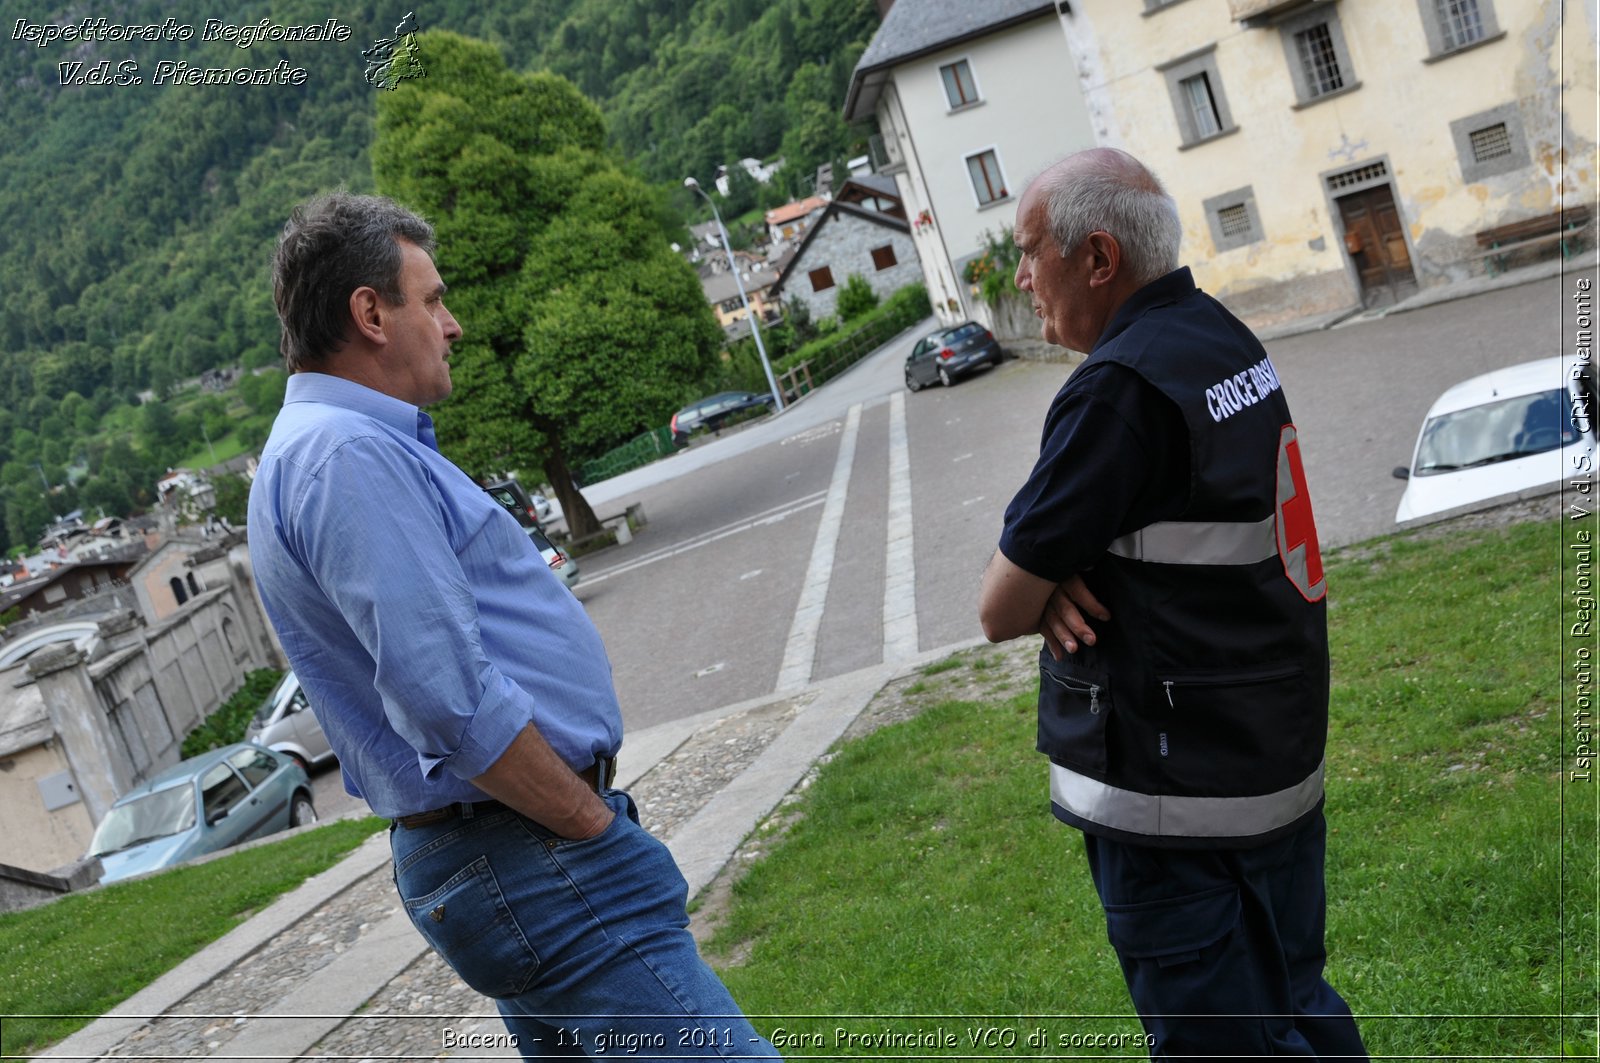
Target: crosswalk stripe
[
  {"x": 800, "y": 651},
  {"x": 899, "y": 571}
]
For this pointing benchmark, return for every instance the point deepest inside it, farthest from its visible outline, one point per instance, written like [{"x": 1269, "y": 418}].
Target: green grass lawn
[
  {"x": 74, "y": 959},
  {"x": 221, "y": 450},
  {"x": 924, "y": 875}
]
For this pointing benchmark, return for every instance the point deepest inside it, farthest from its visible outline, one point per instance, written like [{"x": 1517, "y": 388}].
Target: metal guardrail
[
  {"x": 640, "y": 450},
  {"x": 844, "y": 350}
]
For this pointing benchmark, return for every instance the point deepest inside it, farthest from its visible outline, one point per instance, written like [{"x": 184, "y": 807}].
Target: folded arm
[{"x": 1013, "y": 602}]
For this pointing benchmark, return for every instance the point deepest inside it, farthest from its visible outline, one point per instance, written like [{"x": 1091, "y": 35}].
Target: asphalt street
[
  {"x": 697, "y": 611},
  {"x": 769, "y": 559}
]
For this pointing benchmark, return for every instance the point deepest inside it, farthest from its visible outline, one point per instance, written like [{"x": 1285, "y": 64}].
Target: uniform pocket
[
  {"x": 469, "y": 924},
  {"x": 1219, "y": 729},
  {"x": 1074, "y": 704},
  {"x": 1170, "y": 932}
]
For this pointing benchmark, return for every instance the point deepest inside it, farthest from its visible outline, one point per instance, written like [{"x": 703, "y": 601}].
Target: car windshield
[
  {"x": 280, "y": 693},
  {"x": 145, "y": 819},
  {"x": 965, "y": 332},
  {"x": 1496, "y": 431}
]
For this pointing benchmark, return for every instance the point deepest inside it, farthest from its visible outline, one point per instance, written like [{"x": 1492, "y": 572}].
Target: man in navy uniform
[{"x": 1164, "y": 547}]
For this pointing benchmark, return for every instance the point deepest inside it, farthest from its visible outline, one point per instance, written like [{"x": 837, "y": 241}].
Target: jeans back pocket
[{"x": 469, "y": 924}]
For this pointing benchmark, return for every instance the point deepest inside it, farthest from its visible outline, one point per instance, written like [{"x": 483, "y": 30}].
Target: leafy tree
[
  {"x": 856, "y": 297},
  {"x": 233, "y": 497},
  {"x": 581, "y": 327}
]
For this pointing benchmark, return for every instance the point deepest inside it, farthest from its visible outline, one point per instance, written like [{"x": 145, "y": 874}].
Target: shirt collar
[
  {"x": 337, "y": 391},
  {"x": 1163, "y": 291}
]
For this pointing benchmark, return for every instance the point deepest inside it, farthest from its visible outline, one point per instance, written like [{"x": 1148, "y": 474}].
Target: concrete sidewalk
[{"x": 307, "y": 975}]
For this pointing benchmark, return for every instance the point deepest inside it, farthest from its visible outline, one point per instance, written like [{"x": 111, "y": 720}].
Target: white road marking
[
  {"x": 711, "y": 669},
  {"x": 972, "y": 501},
  {"x": 961, "y": 457},
  {"x": 800, "y": 651},
  {"x": 771, "y": 516},
  {"x": 752, "y": 574},
  {"x": 811, "y": 435},
  {"x": 899, "y": 570}
]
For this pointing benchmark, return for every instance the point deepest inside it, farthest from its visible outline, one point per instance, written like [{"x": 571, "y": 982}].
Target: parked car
[
  {"x": 541, "y": 506},
  {"x": 559, "y": 562},
  {"x": 1525, "y": 426},
  {"x": 515, "y": 498},
  {"x": 714, "y": 411},
  {"x": 557, "y": 559},
  {"x": 202, "y": 805},
  {"x": 285, "y": 723},
  {"x": 949, "y": 354}
]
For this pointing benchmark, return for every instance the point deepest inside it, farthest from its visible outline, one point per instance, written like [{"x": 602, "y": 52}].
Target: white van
[{"x": 1500, "y": 433}]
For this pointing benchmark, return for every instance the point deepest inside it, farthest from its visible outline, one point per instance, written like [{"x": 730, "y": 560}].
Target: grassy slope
[
  {"x": 925, "y": 874},
  {"x": 75, "y": 958}
]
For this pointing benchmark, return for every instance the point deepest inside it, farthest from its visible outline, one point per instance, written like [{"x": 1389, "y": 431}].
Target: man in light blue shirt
[{"x": 462, "y": 686}]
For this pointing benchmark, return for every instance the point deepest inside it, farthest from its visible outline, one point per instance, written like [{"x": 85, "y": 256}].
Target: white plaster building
[{"x": 972, "y": 100}]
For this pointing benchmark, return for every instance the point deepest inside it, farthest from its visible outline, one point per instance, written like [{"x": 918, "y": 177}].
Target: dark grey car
[{"x": 947, "y": 355}]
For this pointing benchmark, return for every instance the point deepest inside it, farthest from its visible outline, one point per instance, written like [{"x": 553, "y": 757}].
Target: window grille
[
  {"x": 1319, "y": 60},
  {"x": 1234, "y": 220},
  {"x": 1491, "y": 143},
  {"x": 1459, "y": 22},
  {"x": 1360, "y": 175}
]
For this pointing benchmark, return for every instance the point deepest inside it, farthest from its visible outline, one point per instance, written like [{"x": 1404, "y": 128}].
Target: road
[
  {"x": 699, "y": 611},
  {"x": 769, "y": 561}
]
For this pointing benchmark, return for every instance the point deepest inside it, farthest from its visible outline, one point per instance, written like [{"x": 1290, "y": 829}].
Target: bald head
[{"x": 1108, "y": 190}]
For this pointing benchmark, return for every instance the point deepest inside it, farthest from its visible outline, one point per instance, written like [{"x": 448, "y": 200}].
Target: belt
[{"x": 597, "y": 777}]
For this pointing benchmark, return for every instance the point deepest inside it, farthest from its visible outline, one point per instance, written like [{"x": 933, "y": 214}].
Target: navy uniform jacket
[{"x": 1170, "y": 475}]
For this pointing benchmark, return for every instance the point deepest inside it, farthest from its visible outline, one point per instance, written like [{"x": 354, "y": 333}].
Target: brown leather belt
[{"x": 598, "y": 776}]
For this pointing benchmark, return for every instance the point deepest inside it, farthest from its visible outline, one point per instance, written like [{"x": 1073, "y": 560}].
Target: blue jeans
[
  {"x": 583, "y": 945},
  {"x": 1222, "y": 949}
]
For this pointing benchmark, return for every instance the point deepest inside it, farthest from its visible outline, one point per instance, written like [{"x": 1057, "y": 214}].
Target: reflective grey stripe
[
  {"x": 1183, "y": 817},
  {"x": 1200, "y": 542}
]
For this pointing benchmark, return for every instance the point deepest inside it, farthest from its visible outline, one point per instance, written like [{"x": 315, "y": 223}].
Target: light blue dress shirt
[{"x": 421, "y": 620}]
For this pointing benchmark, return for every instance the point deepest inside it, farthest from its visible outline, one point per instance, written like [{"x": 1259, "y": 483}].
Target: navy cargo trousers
[{"x": 1223, "y": 949}]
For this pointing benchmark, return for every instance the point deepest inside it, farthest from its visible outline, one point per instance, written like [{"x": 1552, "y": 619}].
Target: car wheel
[
  {"x": 911, "y": 382},
  {"x": 944, "y": 377},
  {"x": 301, "y": 811}
]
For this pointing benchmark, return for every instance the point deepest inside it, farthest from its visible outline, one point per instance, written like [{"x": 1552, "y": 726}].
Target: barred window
[
  {"x": 1490, "y": 143},
  {"x": 1319, "y": 60},
  {"x": 1359, "y": 176},
  {"x": 1234, "y": 220},
  {"x": 1459, "y": 22}
]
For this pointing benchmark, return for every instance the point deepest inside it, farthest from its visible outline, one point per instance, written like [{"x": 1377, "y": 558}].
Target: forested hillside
[{"x": 140, "y": 215}]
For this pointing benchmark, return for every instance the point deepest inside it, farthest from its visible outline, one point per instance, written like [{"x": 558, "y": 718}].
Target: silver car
[{"x": 285, "y": 722}]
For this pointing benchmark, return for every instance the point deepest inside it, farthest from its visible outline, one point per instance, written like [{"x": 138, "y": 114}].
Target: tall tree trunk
[{"x": 579, "y": 514}]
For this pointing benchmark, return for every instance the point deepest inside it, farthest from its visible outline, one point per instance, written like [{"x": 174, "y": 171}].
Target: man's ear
[
  {"x": 1106, "y": 263},
  {"x": 366, "y": 312}
]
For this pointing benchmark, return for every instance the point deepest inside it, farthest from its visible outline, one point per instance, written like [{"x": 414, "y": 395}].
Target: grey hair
[
  {"x": 332, "y": 245},
  {"x": 1112, "y": 191}
]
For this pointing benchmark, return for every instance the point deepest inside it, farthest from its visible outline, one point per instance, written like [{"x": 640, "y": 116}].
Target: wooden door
[{"x": 1376, "y": 242}]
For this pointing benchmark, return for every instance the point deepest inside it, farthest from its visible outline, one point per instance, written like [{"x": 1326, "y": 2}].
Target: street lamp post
[{"x": 750, "y": 315}]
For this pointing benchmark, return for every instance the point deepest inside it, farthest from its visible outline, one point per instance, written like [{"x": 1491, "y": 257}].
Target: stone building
[{"x": 862, "y": 232}]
